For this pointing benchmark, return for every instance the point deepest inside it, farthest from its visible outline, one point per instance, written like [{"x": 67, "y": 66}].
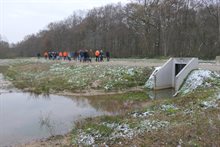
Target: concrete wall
[
  {"x": 182, "y": 60},
  {"x": 217, "y": 59},
  {"x": 163, "y": 76},
  {"x": 180, "y": 77}
]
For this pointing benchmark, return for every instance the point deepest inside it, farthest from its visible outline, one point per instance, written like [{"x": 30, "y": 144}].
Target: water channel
[
  {"x": 25, "y": 117},
  {"x": 158, "y": 94}
]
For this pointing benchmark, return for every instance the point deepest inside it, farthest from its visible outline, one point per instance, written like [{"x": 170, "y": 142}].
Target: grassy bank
[
  {"x": 190, "y": 120},
  {"x": 51, "y": 77}
]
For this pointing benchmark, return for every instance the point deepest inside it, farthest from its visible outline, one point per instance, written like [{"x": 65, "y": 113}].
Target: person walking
[
  {"x": 76, "y": 54},
  {"x": 46, "y": 55},
  {"x": 107, "y": 55},
  {"x": 90, "y": 53},
  {"x": 69, "y": 56},
  {"x": 97, "y": 54},
  {"x": 101, "y": 56},
  {"x": 81, "y": 56},
  {"x": 60, "y": 55},
  {"x": 65, "y": 54},
  {"x": 85, "y": 54},
  {"x": 50, "y": 55},
  {"x": 38, "y": 55}
]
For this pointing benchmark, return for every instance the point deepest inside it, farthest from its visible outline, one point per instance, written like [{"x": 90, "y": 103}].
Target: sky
[{"x": 19, "y": 18}]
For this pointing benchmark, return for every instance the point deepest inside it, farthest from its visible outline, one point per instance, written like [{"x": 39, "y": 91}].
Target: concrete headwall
[
  {"x": 163, "y": 76},
  {"x": 180, "y": 77}
]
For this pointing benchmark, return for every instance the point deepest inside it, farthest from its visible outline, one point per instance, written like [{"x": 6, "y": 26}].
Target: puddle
[
  {"x": 165, "y": 93},
  {"x": 25, "y": 117}
]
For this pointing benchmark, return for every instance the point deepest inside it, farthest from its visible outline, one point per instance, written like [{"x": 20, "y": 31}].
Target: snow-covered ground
[{"x": 198, "y": 79}]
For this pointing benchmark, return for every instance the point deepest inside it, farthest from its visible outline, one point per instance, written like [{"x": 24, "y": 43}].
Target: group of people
[
  {"x": 81, "y": 55},
  {"x": 99, "y": 55},
  {"x": 57, "y": 55}
]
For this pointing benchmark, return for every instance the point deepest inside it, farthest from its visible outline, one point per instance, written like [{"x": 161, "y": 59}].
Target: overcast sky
[{"x": 19, "y": 18}]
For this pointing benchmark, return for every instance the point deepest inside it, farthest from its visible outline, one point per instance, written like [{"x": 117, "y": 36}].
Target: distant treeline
[{"x": 142, "y": 28}]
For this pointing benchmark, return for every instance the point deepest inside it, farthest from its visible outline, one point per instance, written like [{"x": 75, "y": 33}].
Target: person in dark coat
[
  {"x": 38, "y": 55},
  {"x": 101, "y": 56},
  {"x": 107, "y": 55}
]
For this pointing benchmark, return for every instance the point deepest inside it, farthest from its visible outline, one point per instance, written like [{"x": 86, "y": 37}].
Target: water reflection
[
  {"x": 165, "y": 93},
  {"x": 35, "y": 95},
  {"x": 47, "y": 123},
  {"x": 25, "y": 117},
  {"x": 112, "y": 104}
]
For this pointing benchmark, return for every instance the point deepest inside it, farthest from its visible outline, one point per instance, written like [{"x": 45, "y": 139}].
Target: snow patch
[
  {"x": 86, "y": 139},
  {"x": 168, "y": 107},
  {"x": 131, "y": 71},
  {"x": 198, "y": 78},
  {"x": 148, "y": 125},
  {"x": 142, "y": 114},
  {"x": 209, "y": 104}
]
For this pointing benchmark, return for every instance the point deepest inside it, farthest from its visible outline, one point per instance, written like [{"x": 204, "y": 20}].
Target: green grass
[
  {"x": 111, "y": 119},
  {"x": 56, "y": 77},
  {"x": 102, "y": 129}
]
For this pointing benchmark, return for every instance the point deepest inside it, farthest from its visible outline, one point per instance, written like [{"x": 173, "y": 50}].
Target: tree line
[{"x": 141, "y": 28}]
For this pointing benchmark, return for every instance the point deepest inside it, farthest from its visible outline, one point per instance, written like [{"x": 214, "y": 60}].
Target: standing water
[
  {"x": 164, "y": 93},
  {"x": 24, "y": 117}
]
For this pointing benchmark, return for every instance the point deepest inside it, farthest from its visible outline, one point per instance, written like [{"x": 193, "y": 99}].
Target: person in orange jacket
[
  {"x": 97, "y": 53},
  {"x": 60, "y": 55},
  {"x": 45, "y": 54},
  {"x": 65, "y": 55}
]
